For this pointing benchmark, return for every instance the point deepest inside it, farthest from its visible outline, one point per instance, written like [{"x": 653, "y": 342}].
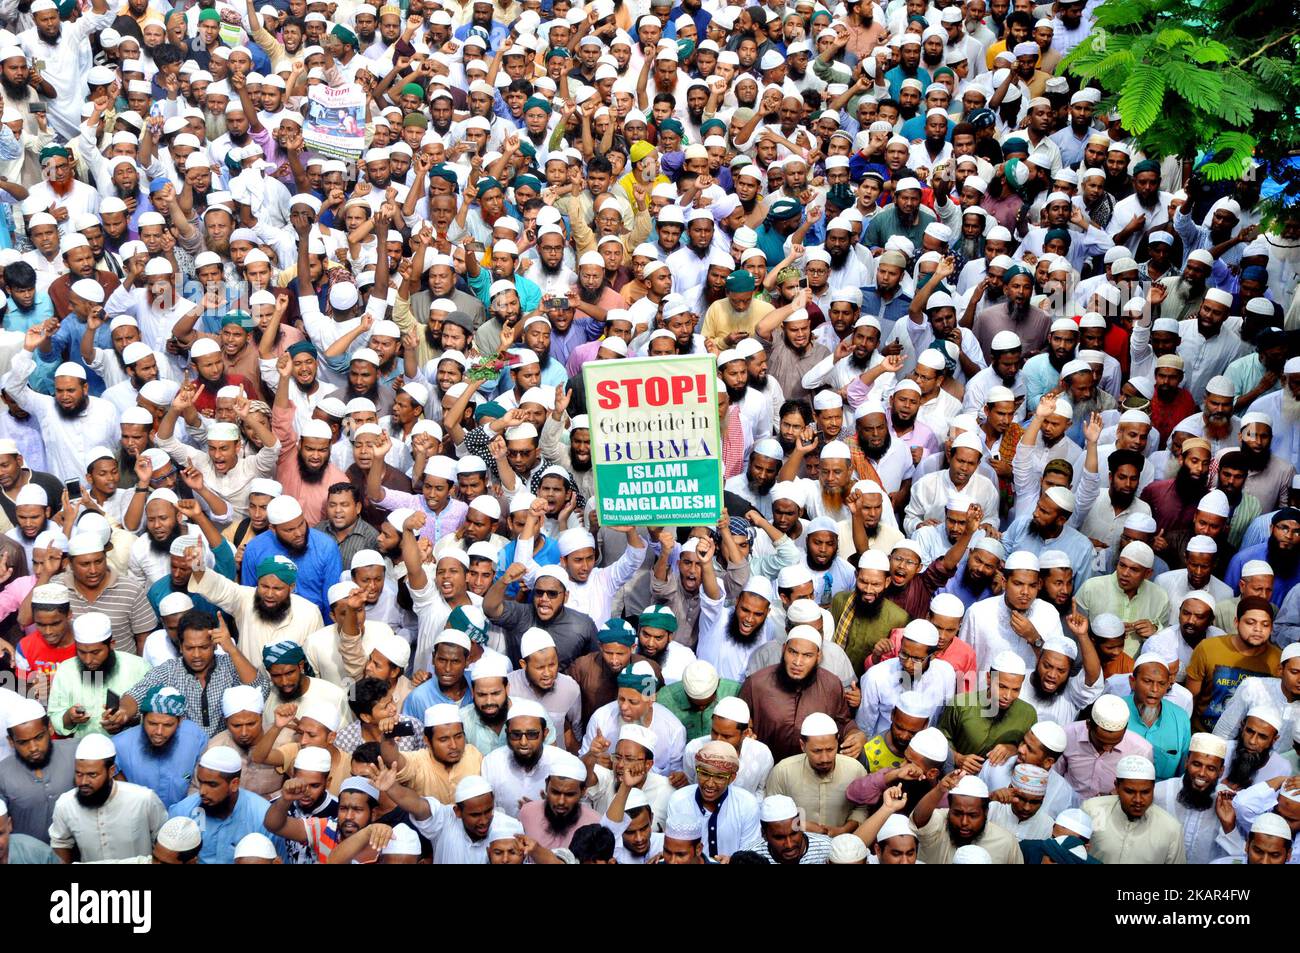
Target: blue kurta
[
  {"x": 1170, "y": 737},
  {"x": 166, "y": 774},
  {"x": 222, "y": 834},
  {"x": 318, "y": 568},
  {"x": 1071, "y": 542}
]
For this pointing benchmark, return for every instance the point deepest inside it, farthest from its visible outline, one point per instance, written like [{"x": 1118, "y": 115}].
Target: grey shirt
[
  {"x": 31, "y": 798},
  {"x": 574, "y": 632}
]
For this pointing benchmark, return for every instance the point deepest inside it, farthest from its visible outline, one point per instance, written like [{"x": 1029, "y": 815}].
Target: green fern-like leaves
[{"x": 1142, "y": 97}]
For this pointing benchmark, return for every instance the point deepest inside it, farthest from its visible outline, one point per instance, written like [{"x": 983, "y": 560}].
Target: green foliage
[{"x": 1194, "y": 77}]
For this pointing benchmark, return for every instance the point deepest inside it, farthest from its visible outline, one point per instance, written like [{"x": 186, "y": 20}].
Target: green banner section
[{"x": 656, "y": 446}]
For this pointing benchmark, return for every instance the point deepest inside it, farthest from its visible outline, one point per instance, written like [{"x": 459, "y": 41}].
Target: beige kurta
[
  {"x": 1155, "y": 838},
  {"x": 318, "y": 692},
  {"x": 254, "y": 634},
  {"x": 259, "y": 778},
  {"x": 820, "y": 799},
  {"x": 937, "y": 848},
  {"x": 123, "y": 826},
  {"x": 427, "y": 778}
]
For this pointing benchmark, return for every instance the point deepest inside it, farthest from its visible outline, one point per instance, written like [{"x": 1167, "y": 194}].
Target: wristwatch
[{"x": 1037, "y": 644}]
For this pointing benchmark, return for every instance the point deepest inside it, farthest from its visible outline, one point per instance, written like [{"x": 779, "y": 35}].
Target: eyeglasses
[
  {"x": 548, "y": 593},
  {"x": 532, "y": 734},
  {"x": 711, "y": 776},
  {"x": 160, "y": 480},
  {"x": 628, "y": 759}
]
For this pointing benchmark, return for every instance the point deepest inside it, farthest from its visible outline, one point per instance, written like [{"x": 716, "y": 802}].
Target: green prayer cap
[
  {"x": 461, "y": 621},
  {"x": 443, "y": 171},
  {"x": 49, "y": 152},
  {"x": 616, "y": 631},
  {"x": 739, "y": 282},
  {"x": 643, "y": 682},
  {"x": 1055, "y": 233},
  {"x": 302, "y": 347},
  {"x": 672, "y": 125},
  {"x": 685, "y": 48},
  {"x": 163, "y": 700},
  {"x": 537, "y": 102},
  {"x": 419, "y": 120},
  {"x": 557, "y": 51},
  {"x": 281, "y": 567},
  {"x": 709, "y": 125},
  {"x": 784, "y": 209},
  {"x": 489, "y": 411},
  {"x": 344, "y": 35},
  {"x": 659, "y": 617},
  {"x": 528, "y": 182},
  {"x": 283, "y": 653},
  {"x": 413, "y": 89},
  {"x": 1147, "y": 165},
  {"x": 209, "y": 14},
  {"x": 241, "y": 318}
]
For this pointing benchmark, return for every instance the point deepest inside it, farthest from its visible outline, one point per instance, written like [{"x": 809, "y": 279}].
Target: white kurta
[
  {"x": 67, "y": 63},
  {"x": 987, "y": 629},
  {"x": 737, "y": 825},
  {"x": 883, "y": 683},
  {"x": 670, "y": 736},
  {"x": 511, "y": 782},
  {"x": 1201, "y": 829},
  {"x": 67, "y": 440},
  {"x": 123, "y": 826},
  {"x": 1154, "y": 838},
  {"x": 446, "y": 832},
  {"x": 756, "y": 763}
]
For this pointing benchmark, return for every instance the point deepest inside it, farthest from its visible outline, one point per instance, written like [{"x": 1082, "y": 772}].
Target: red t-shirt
[
  {"x": 205, "y": 401},
  {"x": 36, "y": 655}
]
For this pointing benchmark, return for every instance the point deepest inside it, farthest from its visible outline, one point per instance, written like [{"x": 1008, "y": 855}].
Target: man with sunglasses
[{"x": 574, "y": 632}]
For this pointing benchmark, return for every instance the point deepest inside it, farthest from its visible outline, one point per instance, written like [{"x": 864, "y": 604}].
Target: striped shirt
[
  {"x": 125, "y": 602},
  {"x": 322, "y": 836},
  {"x": 818, "y": 852}
]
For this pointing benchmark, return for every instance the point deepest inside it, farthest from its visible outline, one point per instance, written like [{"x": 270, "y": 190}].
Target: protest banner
[
  {"x": 335, "y": 124},
  {"x": 656, "y": 447}
]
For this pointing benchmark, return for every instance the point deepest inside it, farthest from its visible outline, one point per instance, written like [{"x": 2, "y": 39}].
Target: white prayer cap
[
  {"x": 1267, "y": 714},
  {"x": 913, "y": 704},
  {"x": 241, "y": 698},
  {"x": 1076, "y": 821},
  {"x": 835, "y": 450},
  {"x": 1256, "y": 567},
  {"x": 974, "y": 853},
  {"x": 1216, "y": 503},
  {"x": 1005, "y": 341},
  {"x": 778, "y": 807},
  {"x": 817, "y": 725},
  {"x": 174, "y": 603},
  {"x": 95, "y": 748},
  {"x": 505, "y": 827},
  {"x": 1140, "y": 553},
  {"x": 535, "y": 640},
  {"x": 404, "y": 842},
  {"x": 475, "y": 785},
  {"x": 261, "y": 486},
  {"x": 1135, "y": 767},
  {"x": 733, "y": 708},
  {"x": 283, "y": 509},
  {"x": 930, "y": 744},
  {"x": 637, "y": 734},
  {"x": 998, "y": 395},
  {"x": 1290, "y": 652},
  {"x": 566, "y": 765},
  {"x": 847, "y": 849},
  {"x": 453, "y": 636},
  {"x": 1271, "y": 825},
  {"x": 91, "y": 628},
  {"x": 1022, "y": 559},
  {"x": 1203, "y": 742},
  {"x": 255, "y": 845},
  {"x": 968, "y": 441},
  {"x": 896, "y": 825},
  {"x": 1061, "y": 646},
  {"x": 970, "y": 786},
  {"x": 23, "y": 710},
  {"x": 1217, "y": 295},
  {"x": 574, "y": 540},
  {"x": 441, "y": 714},
  {"x": 68, "y": 369},
  {"x": 327, "y": 716},
  {"x": 827, "y": 400},
  {"x": 947, "y": 605},
  {"x": 226, "y": 760},
  {"x": 1221, "y": 387},
  {"x": 312, "y": 758},
  {"x": 922, "y": 632},
  {"x": 1007, "y": 663},
  {"x": 490, "y": 665},
  {"x": 932, "y": 359},
  {"x": 31, "y": 495},
  {"x": 1254, "y": 417},
  {"x": 525, "y": 708},
  {"x": 1050, "y": 735},
  {"x": 1062, "y": 497},
  {"x": 759, "y": 586},
  {"x": 1110, "y": 713},
  {"x": 805, "y": 632},
  {"x": 1054, "y": 559},
  {"x": 180, "y": 834}
]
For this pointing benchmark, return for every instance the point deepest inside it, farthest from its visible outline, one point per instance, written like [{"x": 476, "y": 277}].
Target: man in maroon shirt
[
  {"x": 782, "y": 695},
  {"x": 1171, "y": 402},
  {"x": 1173, "y": 501}
]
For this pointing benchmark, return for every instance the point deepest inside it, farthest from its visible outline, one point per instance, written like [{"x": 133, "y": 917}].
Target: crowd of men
[{"x": 300, "y": 557}]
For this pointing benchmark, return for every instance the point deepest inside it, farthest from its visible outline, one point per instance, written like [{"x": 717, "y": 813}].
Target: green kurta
[
  {"x": 1102, "y": 594},
  {"x": 698, "y": 722},
  {"x": 71, "y": 686},
  {"x": 863, "y": 634},
  {"x": 969, "y": 730}
]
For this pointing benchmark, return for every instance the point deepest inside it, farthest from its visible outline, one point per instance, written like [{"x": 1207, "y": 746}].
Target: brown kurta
[{"x": 776, "y": 714}]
